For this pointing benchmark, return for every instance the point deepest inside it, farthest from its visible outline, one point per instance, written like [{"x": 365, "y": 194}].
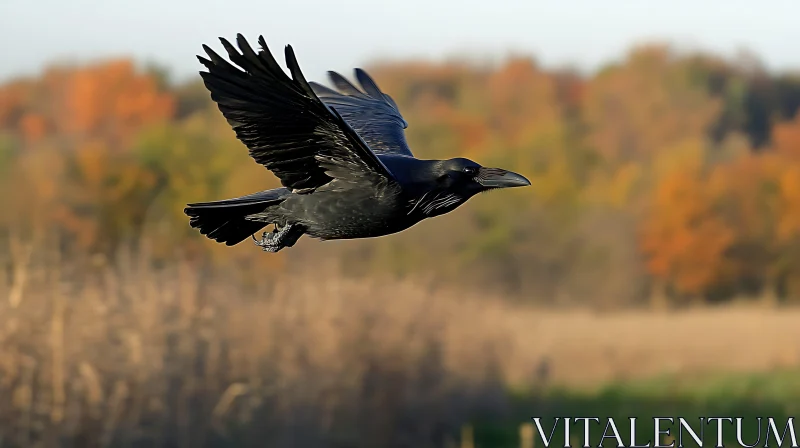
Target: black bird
[{"x": 341, "y": 156}]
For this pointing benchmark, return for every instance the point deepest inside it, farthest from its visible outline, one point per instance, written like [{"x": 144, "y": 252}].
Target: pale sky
[{"x": 342, "y": 34}]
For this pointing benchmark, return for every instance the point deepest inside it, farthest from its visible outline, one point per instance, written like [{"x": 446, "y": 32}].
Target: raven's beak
[{"x": 497, "y": 178}]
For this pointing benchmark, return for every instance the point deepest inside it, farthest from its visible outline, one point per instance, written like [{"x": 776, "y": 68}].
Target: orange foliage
[
  {"x": 682, "y": 238},
  {"x": 786, "y": 144},
  {"x": 33, "y": 127},
  {"x": 740, "y": 221},
  {"x": 109, "y": 100},
  {"x": 789, "y": 224},
  {"x": 522, "y": 100},
  {"x": 786, "y": 138},
  {"x": 471, "y": 131}
]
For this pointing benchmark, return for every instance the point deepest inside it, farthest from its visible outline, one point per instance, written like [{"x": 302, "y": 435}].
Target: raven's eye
[{"x": 471, "y": 170}]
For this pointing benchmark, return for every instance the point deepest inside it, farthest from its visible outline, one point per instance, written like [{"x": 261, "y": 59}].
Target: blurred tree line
[{"x": 668, "y": 176}]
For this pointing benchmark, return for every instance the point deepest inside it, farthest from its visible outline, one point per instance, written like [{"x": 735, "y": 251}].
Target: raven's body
[{"x": 341, "y": 156}]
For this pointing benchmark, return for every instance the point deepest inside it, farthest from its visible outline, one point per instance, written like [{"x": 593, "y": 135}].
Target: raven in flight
[{"x": 341, "y": 155}]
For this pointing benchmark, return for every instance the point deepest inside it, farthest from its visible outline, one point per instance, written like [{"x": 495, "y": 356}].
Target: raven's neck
[{"x": 434, "y": 203}]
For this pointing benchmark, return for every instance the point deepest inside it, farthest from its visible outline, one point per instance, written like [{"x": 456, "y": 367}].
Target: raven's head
[
  {"x": 458, "y": 180},
  {"x": 467, "y": 177}
]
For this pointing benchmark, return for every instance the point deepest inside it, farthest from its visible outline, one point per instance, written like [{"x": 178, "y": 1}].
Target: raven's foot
[{"x": 279, "y": 238}]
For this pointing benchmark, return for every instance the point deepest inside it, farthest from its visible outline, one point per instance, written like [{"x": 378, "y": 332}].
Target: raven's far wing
[{"x": 372, "y": 113}]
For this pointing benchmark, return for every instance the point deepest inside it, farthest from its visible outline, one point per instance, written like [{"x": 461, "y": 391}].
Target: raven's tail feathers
[
  {"x": 222, "y": 228},
  {"x": 224, "y": 221}
]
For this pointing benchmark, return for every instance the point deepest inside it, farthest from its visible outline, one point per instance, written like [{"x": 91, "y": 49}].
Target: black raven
[{"x": 342, "y": 157}]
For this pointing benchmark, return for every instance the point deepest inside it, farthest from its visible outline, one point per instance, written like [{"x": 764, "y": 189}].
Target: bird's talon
[{"x": 276, "y": 240}]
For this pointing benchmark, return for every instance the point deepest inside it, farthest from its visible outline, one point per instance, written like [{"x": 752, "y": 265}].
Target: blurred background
[{"x": 651, "y": 269}]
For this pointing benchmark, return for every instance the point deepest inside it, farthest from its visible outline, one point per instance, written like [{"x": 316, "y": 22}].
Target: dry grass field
[
  {"x": 586, "y": 348},
  {"x": 127, "y": 355}
]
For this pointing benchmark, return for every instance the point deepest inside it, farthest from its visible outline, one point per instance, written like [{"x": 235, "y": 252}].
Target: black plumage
[{"x": 341, "y": 156}]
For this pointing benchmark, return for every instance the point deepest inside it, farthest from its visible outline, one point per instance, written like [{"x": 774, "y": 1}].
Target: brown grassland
[{"x": 131, "y": 355}]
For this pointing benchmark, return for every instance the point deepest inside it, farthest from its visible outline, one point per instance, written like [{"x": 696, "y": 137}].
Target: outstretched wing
[
  {"x": 372, "y": 113},
  {"x": 283, "y": 123}
]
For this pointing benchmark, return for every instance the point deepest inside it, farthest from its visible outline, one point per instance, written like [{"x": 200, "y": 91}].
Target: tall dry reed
[{"x": 121, "y": 353}]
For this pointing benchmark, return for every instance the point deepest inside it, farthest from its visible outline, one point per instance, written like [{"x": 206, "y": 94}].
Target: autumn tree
[
  {"x": 649, "y": 102},
  {"x": 683, "y": 237},
  {"x": 74, "y": 126}
]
